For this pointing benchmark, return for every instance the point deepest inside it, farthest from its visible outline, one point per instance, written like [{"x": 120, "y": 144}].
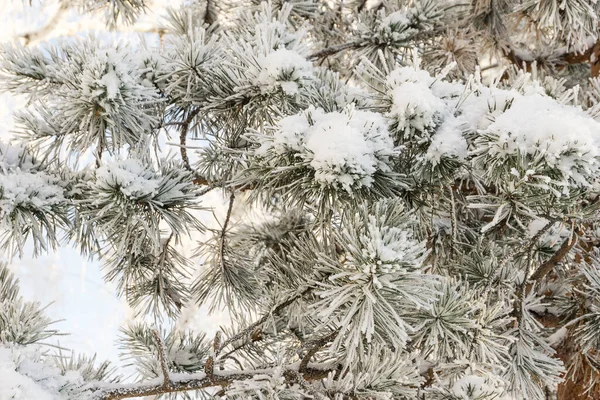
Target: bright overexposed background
[{"x": 82, "y": 303}]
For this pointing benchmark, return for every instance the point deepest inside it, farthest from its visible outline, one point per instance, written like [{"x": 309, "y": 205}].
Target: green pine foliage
[{"x": 393, "y": 215}]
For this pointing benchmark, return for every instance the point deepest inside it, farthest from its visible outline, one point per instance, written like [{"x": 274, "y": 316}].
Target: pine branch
[
  {"x": 297, "y": 377},
  {"x": 49, "y": 27},
  {"x": 595, "y": 60},
  {"x": 557, "y": 257},
  {"x": 251, "y": 329},
  {"x": 316, "y": 346},
  {"x": 560, "y": 59},
  {"x": 326, "y": 52},
  {"x": 162, "y": 357},
  {"x": 199, "y": 381}
]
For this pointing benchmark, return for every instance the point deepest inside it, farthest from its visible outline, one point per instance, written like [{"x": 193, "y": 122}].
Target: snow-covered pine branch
[{"x": 392, "y": 199}]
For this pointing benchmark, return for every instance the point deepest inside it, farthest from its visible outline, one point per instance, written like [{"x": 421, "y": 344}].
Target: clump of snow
[
  {"x": 422, "y": 109},
  {"x": 108, "y": 71},
  {"x": 36, "y": 190},
  {"x": 14, "y": 156},
  {"x": 398, "y": 26},
  {"x": 396, "y": 18},
  {"x": 555, "y": 145},
  {"x": 483, "y": 105},
  {"x": 558, "y": 337},
  {"x": 554, "y": 236},
  {"x": 24, "y": 375},
  {"x": 284, "y": 68},
  {"x": 130, "y": 177},
  {"x": 448, "y": 141},
  {"x": 111, "y": 82},
  {"x": 290, "y": 135},
  {"x": 414, "y": 106},
  {"x": 345, "y": 149},
  {"x": 565, "y": 137},
  {"x": 111, "y": 87}
]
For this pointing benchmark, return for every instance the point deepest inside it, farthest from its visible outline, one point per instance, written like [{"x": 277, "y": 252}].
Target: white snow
[
  {"x": 285, "y": 68},
  {"x": 129, "y": 176},
  {"x": 13, "y": 157},
  {"x": 523, "y": 121},
  {"x": 111, "y": 82},
  {"x": 557, "y": 337},
  {"x": 28, "y": 189},
  {"x": 414, "y": 104},
  {"x": 396, "y": 18},
  {"x": 23, "y": 375},
  {"x": 391, "y": 249},
  {"x": 415, "y": 107},
  {"x": 564, "y": 136},
  {"x": 423, "y": 108},
  {"x": 344, "y": 148},
  {"x": 448, "y": 141}
]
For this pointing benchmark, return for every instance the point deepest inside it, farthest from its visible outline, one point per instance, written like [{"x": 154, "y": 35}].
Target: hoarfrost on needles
[{"x": 129, "y": 176}]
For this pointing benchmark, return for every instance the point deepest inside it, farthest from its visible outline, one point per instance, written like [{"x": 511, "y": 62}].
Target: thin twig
[
  {"x": 198, "y": 381},
  {"x": 453, "y": 221},
  {"x": 326, "y": 52},
  {"x": 252, "y": 328},
  {"x": 162, "y": 357},
  {"x": 223, "y": 234},
  {"x": 557, "y": 257},
  {"x": 49, "y": 27},
  {"x": 185, "y": 127},
  {"x": 316, "y": 346},
  {"x": 525, "y": 248}
]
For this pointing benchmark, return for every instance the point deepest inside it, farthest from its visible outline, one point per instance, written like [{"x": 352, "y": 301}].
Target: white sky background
[{"x": 89, "y": 307}]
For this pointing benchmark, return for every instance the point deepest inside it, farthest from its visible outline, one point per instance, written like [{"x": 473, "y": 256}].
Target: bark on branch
[
  {"x": 590, "y": 55},
  {"x": 316, "y": 346},
  {"x": 162, "y": 357},
  {"x": 253, "y": 329},
  {"x": 199, "y": 381},
  {"x": 557, "y": 257},
  {"x": 335, "y": 49}
]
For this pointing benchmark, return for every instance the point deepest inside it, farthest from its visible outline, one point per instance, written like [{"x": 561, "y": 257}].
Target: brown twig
[
  {"x": 326, "y": 52},
  {"x": 557, "y": 257},
  {"x": 589, "y": 55},
  {"x": 162, "y": 357},
  {"x": 49, "y": 27},
  {"x": 254, "y": 327},
  {"x": 316, "y": 346},
  {"x": 198, "y": 382},
  {"x": 185, "y": 127}
]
